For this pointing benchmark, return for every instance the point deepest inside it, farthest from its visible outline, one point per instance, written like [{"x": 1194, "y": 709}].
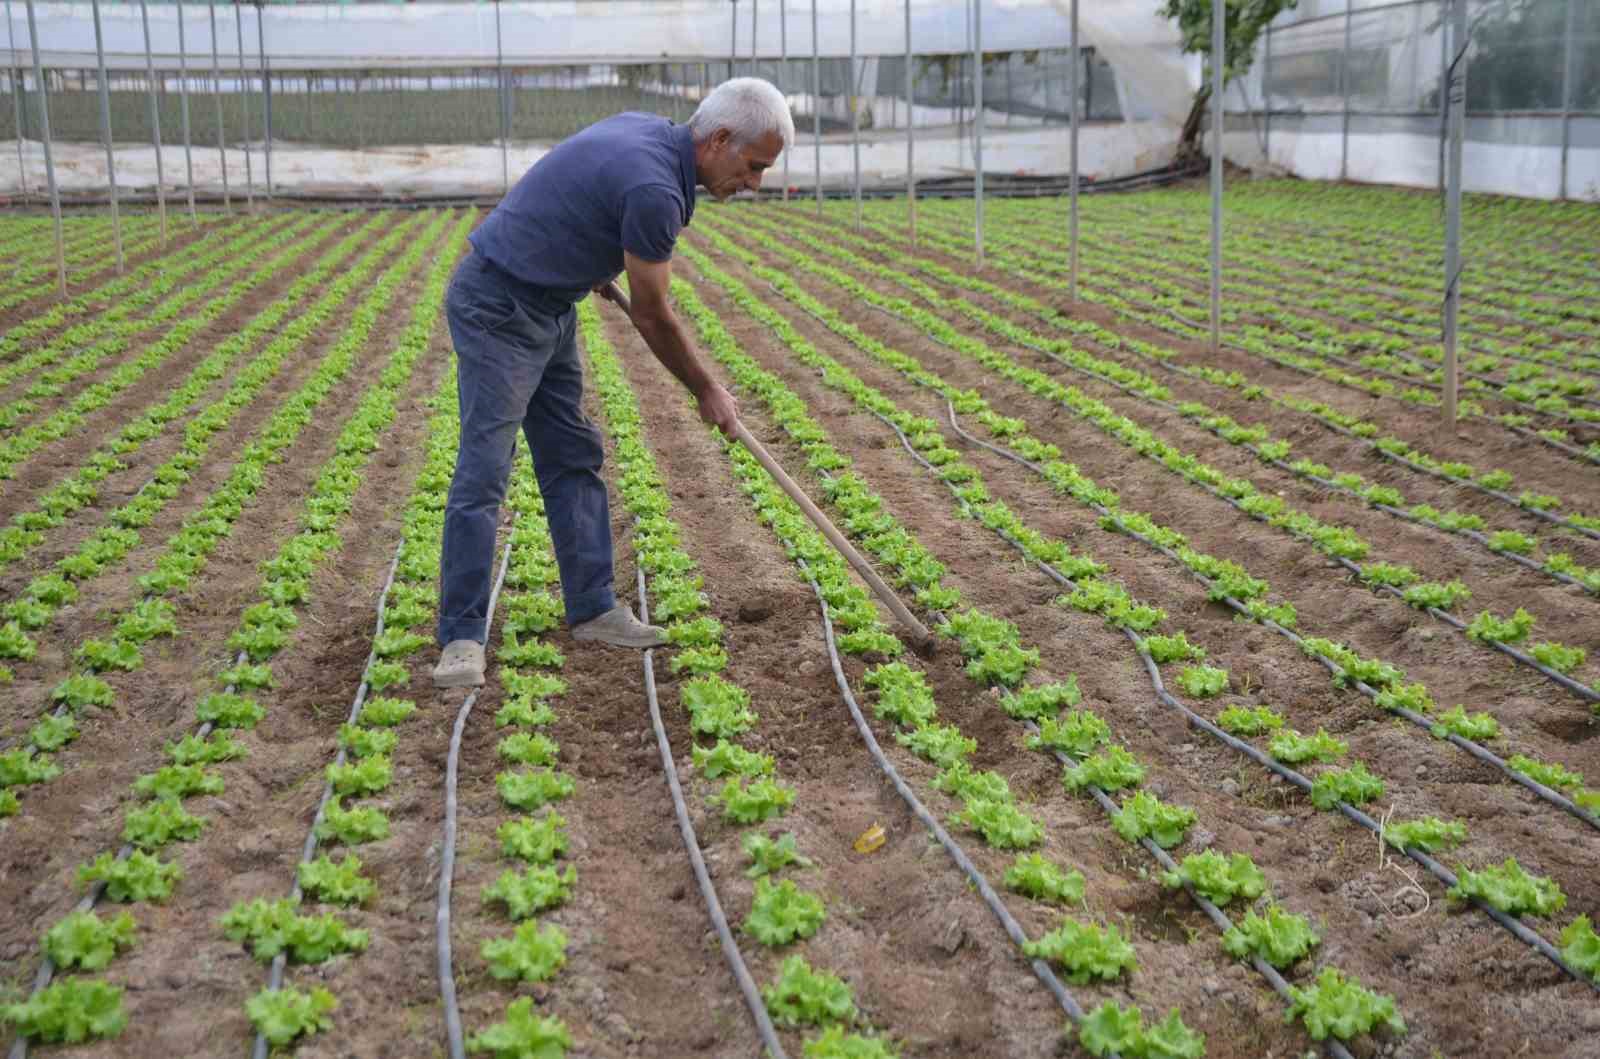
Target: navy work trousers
[{"x": 517, "y": 365}]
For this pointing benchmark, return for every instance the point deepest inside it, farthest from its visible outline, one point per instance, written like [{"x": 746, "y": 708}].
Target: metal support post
[
  {"x": 216, "y": 92},
  {"x": 911, "y": 135},
  {"x": 105, "y": 132},
  {"x": 816, "y": 109},
  {"x": 49, "y": 161},
  {"x": 855, "y": 122},
  {"x": 1344, "y": 94},
  {"x": 977, "y": 129},
  {"x": 1444, "y": 91},
  {"x": 755, "y": 17},
  {"x": 1568, "y": 87},
  {"x": 1218, "y": 62},
  {"x": 1266, "y": 95},
  {"x": 500, "y": 82},
  {"x": 155, "y": 121},
  {"x": 266, "y": 90},
  {"x": 16, "y": 101},
  {"x": 783, "y": 78},
  {"x": 244, "y": 108},
  {"x": 1457, "y": 87},
  {"x": 1072, "y": 193},
  {"x": 183, "y": 111},
  {"x": 733, "y": 44}
]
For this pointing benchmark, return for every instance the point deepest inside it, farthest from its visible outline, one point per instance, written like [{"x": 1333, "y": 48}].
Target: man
[{"x": 613, "y": 197}]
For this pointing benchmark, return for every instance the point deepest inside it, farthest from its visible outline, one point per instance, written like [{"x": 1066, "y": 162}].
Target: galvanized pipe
[
  {"x": 1072, "y": 193},
  {"x": 1218, "y": 62},
  {"x": 16, "y": 101},
  {"x": 49, "y": 161},
  {"x": 1457, "y": 85},
  {"x": 244, "y": 108},
  {"x": 783, "y": 76},
  {"x": 183, "y": 110},
  {"x": 977, "y": 132},
  {"x": 816, "y": 109},
  {"x": 155, "y": 120},
  {"x": 911, "y": 134},
  {"x": 855, "y": 123},
  {"x": 105, "y": 132},
  {"x": 1344, "y": 95},
  {"x": 1568, "y": 86},
  {"x": 266, "y": 90},
  {"x": 216, "y": 92}
]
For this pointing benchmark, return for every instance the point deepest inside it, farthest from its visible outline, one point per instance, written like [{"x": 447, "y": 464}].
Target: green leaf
[
  {"x": 70, "y": 1010},
  {"x": 1111, "y": 769},
  {"x": 1548, "y": 773},
  {"x": 1218, "y": 877},
  {"x": 1112, "y": 1028},
  {"x": 52, "y": 732},
  {"x": 716, "y": 707},
  {"x": 138, "y": 877},
  {"x": 1292, "y": 748},
  {"x": 802, "y": 996},
  {"x": 352, "y": 826},
  {"x": 367, "y": 776},
  {"x": 1146, "y": 816},
  {"x": 1171, "y": 1039},
  {"x": 1343, "y": 1008},
  {"x": 1203, "y": 682},
  {"x": 1581, "y": 947},
  {"x": 270, "y": 927},
  {"x": 533, "y": 788},
  {"x": 1509, "y": 888},
  {"x": 367, "y": 742},
  {"x": 836, "y": 1042},
  {"x": 730, "y": 759},
  {"x": 942, "y": 744},
  {"x": 1249, "y": 721},
  {"x": 1354, "y": 785},
  {"x": 1279, "y": 937},
  {"x": 386, "y": 712},
  {"x": 281, "y": 1015},
  {"x": 531, "y": 891},
  {"x": 21, "y": 766},
  {"x": 523, "y": 1035},
  {"x": 1077, "y": 733},
  {"x": 1478, "y": 727},
  {"x": 782, "y": 912},
  {"x": 532, "y": 953},
  {"x": 1429, "y": 834},
  {"x": 1043, "y": 701},
  {"x": 164, "y": 820},
  {"x": 335, "y": 882},
  {"x": 537, "y": 841},
  {"x": 84, "y": 941},
  {"x": 753, "y": 802},
  {"x": 1042, "y": 880},
  {"x": 178, "y": 781},
  {"x": 768, "y": 856},
  {"x": 227, "y": 710},
  {"x": 219, "y": 746},
  {"x": 1085, "y": 951}
]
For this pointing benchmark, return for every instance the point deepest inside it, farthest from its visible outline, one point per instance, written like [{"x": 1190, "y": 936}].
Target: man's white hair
[{"x": 748, "y": 107}]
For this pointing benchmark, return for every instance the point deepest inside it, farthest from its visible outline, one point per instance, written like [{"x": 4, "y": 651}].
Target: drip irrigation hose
[
  {"x": 1483, "y": 754},
  {"x": 447, "y": 860},
  {"x": 1294, "y": 777},
  {"x": 47, "y": 967},
  {"x": 708, "y": 891},
  {"x": 1218, "y": 917},
  {"x": 261, "y": 1047},
  {"x": 1013, "y": 929},
  {"x": 1578, "y": 688},
  {"x": 1433, "y": 867}
]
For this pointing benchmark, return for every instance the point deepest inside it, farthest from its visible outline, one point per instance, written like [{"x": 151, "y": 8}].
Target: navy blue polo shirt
[{"x": 624, "y": 183}]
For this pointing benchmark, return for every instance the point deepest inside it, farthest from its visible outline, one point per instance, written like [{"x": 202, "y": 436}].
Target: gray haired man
[{"x": 612, "y": 198}]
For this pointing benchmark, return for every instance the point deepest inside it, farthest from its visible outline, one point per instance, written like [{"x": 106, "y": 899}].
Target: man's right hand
[{"x": 718, "y": 408}]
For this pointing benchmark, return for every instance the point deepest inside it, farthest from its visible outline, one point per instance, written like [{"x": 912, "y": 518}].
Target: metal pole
[
  {"x": 977, "y": 129},
  {"x": 1218, "y": 61},
  {"x": 105, "y": 132},
  {"x": 1266, "y": 95},
  {"x": 733, "y": 45},
  {"x": 244, "y": 109},
  {"x": 155, "y": 121},
  {"x": 266, "y": 90},
  {"x": 49, "y": 161},
  {"x": 1444, "y": 91},
  {"x": 911, "y": 135},
  {"x": 500, "y": 80},
  {"x": 216, "y": 91},
  {"x": 1568, "y": 84},
  {"x": 816, "y": 109},
  {"x": 855, "y": 123},
  {"x": 1457, "y": 85},
  {"x": 755, "y": 17},
  {"x": 183, "y": 110},
  {"x": 1072, "y": 193},
  {"x": 1344, "y": 93},
  {"x": 16, "y": 101},
  {"x": 783, "y": 76}
]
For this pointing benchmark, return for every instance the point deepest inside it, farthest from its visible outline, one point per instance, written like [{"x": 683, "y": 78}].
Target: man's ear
[{"x": 721, "y": 138}]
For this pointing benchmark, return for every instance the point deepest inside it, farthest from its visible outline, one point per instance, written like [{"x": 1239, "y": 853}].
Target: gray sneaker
[
  {"x": 619, "y": 628},
  {"x": 460, "y": 665}
]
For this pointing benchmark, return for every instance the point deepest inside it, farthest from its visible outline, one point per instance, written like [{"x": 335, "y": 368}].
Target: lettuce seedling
[
  {"x": 781, "y": 912},
  {"x": 1509, "y": 888},
  {"x": 1110, "y": 769},
  {"x": 386, "y": 712},
  {"x": 1429, "y": 834},
  {"x": 1354, "y": 785},
  {"x": 1218, "y": 877},
  {"x": 1031, "y": 874},
  {"x": 352, "y": 826},
  {"x": 1146, "y": 816},
  {"x": 802, "y": 996},
  {"x": 138, "y": 877},
  {"x": 751, "y": 803},
  {"x": 367, "y": 742},
  {"x": 523, "y": 1035},
  {"x": 528, "y": 748},
  {"x": 270, "y": 927},
  {"x": 836, "y": 1042},
  {"x": 942, "y": 744},
  {"x": 730, "y": 759},
  {"x": 1548, "y": 773},
  {"x": 83, "y": 689},
  {"x": 84, "y": 941},
  {"x": 1340, "y": 1007},
  {"x": 1177, "y": 648},
  {"x": 281, "y": 1015},
  {"x": 531, "y": 891},
  {"x": 227, "y": 710},
  {"x": 1002, "y": 824},
  {"x": 1042, "y": 702},
  {"x": 1086, "y": 951},
  {"x": 1279, "y": 937},
  {"x": 537, "y": 841},
  {"x": 768, "y": 855},
  {"x": 716, "y": 707},
  {"x": 334, "y": 882},
  {"x": 70, "y": 1010},
  {"x": 533, "y": 788},
  {"x": 1580, "y": 947},
  {"x": 1478, "y": 727},
  {"x": 1249, "y": 721},
  {"x": 1292, "y": 748},
  {"x": 160, "y": 822}
]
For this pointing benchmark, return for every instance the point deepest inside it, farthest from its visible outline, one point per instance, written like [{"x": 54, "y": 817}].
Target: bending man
[{"x": 612, "y": 198}]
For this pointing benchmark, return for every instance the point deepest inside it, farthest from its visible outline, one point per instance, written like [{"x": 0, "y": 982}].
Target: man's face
[{"x": 726, "y": 168}]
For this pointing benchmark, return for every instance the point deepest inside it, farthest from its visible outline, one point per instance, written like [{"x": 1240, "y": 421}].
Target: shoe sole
[{"x": 458, "y": 680}]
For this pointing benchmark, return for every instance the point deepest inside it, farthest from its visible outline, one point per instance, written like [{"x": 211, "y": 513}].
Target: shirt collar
[{"x": 685, "y": 141}]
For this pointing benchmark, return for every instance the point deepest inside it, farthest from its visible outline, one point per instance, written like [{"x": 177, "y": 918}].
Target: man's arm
[{"x": 648, "y": 284}]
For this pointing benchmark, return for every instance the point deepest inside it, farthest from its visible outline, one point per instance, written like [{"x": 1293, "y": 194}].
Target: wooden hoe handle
[{"x": 818, "y": 519}]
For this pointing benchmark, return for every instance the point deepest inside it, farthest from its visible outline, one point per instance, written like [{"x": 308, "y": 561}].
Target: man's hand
[
  {"x": 718, "y": 408},
  {"x": 605, "y": 290}
]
